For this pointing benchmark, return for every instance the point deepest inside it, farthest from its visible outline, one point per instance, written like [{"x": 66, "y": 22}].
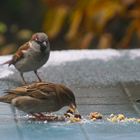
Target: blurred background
[{"x": 71, "y": 24}]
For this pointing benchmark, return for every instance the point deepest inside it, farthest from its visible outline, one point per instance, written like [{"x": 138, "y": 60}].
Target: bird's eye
[{"x": 36, "y": 38}]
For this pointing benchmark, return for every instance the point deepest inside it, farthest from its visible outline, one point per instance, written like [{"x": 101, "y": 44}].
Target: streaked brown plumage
[{"x": 40, "y": 97}]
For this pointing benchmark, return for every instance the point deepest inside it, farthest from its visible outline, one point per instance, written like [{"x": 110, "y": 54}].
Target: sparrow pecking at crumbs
[
  {"x": 40, "y": 97},
  {"x": 32, "y": 55}
]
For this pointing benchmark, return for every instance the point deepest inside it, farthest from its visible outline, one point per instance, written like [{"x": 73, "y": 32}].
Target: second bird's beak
[{"x": 73, "y": 109}]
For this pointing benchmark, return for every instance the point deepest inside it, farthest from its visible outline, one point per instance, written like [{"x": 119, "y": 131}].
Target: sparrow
[
  {"x": 32, "y": 55},
  {"x": 37, "y": 98}
]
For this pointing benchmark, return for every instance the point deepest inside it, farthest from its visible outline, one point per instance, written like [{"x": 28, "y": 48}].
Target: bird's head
[
  {"x": 66, "y": 96},
  {"x": 42, "y": 39}
]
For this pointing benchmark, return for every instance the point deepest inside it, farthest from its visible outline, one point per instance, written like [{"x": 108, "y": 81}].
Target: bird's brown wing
[
  {"x": 37, "y": 90},
  {"x": 41, "y": 90},
  {"x": 50, "y": 89},
  {"x": 19, "y": 54}
]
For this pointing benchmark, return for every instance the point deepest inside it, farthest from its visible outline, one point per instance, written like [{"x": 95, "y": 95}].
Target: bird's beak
[{"x": 73, "y": 108}]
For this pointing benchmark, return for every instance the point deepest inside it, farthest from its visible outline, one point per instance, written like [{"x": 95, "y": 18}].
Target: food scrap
[
  {"x": 73, "y": 117},
  {"x": 95, "y": 116},
  {"x": 122, "y": 118}
]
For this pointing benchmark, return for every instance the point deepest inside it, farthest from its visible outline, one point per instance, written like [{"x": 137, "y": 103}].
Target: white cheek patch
[
  {"x": 44, "y": 43},
  {"x": 30, "y": 44},
  {"x": 34, "y": 47},
  {"x": 24, "y": 51}
]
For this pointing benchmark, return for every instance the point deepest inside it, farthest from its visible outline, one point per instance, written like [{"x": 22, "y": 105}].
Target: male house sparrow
[
  {"x": 40, "y": 97},
  {"x": 31, "y": 55}
]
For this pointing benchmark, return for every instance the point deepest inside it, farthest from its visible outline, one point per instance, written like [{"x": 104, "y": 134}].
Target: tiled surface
[
  {"x": 51, "y": 131},
  {"x": 133, "y": 92},
  {"x": 108, "y": 100},
  {"x": 110, "y": 131},
  {"x": 5, "y": 109}
]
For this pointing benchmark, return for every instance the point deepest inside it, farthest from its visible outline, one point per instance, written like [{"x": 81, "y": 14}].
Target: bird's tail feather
[
  {"x": 2, "y": 99},
  {"x": 9, "y": 62},
  {"x": 5, "y": 99}
]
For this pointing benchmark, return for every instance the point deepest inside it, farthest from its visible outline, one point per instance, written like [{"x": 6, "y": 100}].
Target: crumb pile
[
  {"x": 93, "y": 116},
  {"x": 122, "y": 118}
]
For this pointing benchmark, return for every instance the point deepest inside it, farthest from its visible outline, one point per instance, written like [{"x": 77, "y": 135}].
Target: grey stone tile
[
  {"x": 105, "y": 100},
  {"x": 5, "y": 109},
  {"x": 9, "y": 132},
  {"x": 138, "y": 105},
  {"x": 52, "y": 131},
  {"x": 102, "y": 100},
  {"x": 134, "y": 90},
  {"x": 112, "y": 131},
  {"x": 99, "y": 92},
  {"x": 9, "y": 129}
]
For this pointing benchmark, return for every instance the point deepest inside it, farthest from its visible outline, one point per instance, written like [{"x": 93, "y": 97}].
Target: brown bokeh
[{"x": 71, "y": 24}]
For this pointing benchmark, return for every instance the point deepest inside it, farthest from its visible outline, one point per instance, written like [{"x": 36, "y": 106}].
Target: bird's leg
[
  {"x": 14, "y": 113},
  {"x": 35, "y": 71},
  {"x": 24, "y": 82}
]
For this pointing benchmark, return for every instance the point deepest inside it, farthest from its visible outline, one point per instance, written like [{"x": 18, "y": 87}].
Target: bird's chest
[{"x": 31, "y": 61}]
